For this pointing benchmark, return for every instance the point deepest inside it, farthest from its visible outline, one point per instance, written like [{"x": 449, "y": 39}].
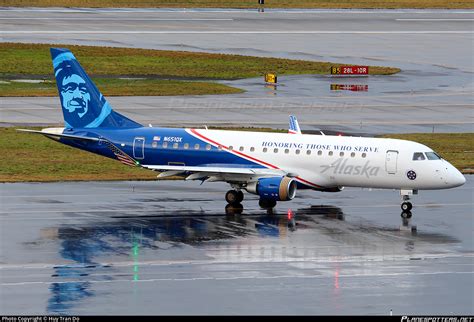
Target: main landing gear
[
  {"x": 406, "y": 204},
  {"x": 234, "y": 197}
]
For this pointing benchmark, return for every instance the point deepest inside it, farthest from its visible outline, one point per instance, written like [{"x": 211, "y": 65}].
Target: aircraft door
[
  {"x": 391, "y": 159},
  {"x": 139, "y": 148}
]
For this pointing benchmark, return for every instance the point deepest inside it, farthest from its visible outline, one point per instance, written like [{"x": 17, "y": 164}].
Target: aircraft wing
[{"x": 220, "y": 173}]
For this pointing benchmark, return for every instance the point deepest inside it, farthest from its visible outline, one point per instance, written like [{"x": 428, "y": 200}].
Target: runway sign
[{"x": 350, "y": 70}]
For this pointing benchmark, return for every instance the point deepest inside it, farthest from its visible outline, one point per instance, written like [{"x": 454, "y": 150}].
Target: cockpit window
[
  {"x": 418, "y": 156},
  {"x": 432, "y": 156}
]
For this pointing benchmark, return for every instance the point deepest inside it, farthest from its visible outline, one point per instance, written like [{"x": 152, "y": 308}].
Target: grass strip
[
  {"x": 137, "y": 72},
  {"x": 35, "y": 59},
  {"x": 123, "y": 87}
]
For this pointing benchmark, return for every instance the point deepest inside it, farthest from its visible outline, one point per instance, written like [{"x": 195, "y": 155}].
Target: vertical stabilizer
[
  {"x": 294, "y": 127},
  {"x": 82, "y": 103}
]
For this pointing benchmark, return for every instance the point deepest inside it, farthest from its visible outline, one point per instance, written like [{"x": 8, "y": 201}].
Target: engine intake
[{"x": 275, "y": 188}]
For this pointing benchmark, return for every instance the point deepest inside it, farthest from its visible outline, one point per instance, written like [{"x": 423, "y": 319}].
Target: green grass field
[
  {"x": 166, "y": 72},
  {"x": 123, "y": 87},
  {"x": 35, "y": 59},
  {"x": 242, "y": 3},
  {"x": 31, "y": 157}
]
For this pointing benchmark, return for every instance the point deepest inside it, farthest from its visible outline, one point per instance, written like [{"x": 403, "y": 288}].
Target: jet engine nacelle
[{"x": 275, "y": 188}]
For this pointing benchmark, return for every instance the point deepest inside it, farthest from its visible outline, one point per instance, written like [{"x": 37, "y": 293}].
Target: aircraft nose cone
[
  {"x": 461, "y": 179},
  {"x": 457, "y": 179}
]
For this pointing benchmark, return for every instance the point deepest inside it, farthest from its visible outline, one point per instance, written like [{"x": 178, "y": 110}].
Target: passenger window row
[
  {"x": 309, "y": 152},
  {"x": 252, "y": 149},
  {"x": 176, "y": 145}
]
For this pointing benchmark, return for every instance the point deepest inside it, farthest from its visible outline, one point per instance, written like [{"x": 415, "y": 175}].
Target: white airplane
[{"x": 271, "y": 165}]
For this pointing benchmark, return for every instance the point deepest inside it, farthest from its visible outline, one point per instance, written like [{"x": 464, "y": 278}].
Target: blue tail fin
[
  {"x": 83, "y": 105},
  {"x": 294, "y": 127}
]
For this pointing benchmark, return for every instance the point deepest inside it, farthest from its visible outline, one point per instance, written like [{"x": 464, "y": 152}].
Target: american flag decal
[{"x": 121, "y": 156}]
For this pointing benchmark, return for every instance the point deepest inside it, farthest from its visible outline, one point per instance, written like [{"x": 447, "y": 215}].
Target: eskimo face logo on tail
[
  {"x": 82, "y": 103},
  {"x": 75, "y": 96}
]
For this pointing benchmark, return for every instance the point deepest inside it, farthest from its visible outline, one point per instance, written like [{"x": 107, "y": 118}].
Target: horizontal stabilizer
[
  {"x": 119, "y": 154},
  {"x": 61, "y": 135}
]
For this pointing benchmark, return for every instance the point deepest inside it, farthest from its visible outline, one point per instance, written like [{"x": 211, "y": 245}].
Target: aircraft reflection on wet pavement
[
  {"x": 86, "y": 246},
  {"x": 126, "y": 236}
]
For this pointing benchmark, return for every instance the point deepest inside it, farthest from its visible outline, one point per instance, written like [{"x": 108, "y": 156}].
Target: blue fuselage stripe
[{"x": 154, "y": 152}]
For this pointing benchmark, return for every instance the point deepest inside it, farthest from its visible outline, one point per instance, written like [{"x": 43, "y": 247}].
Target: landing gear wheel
[
  {"x": 240, "y": 196},
  {"x": 232, "y": 197},
  {"x": 267, "y": 203},
  {"x": 406, "y": 214},
  {"x": 406, "y": 206}
]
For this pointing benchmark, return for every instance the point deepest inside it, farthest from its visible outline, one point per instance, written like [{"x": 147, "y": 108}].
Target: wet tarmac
[
  {"x": 433, "y": 93},
  {"x": 171, "y": 247}
]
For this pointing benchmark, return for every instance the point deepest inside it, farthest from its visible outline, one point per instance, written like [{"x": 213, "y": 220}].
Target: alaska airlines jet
[{"x": 271, "y": 165}]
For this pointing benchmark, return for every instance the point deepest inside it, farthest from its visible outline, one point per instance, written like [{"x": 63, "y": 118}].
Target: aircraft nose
[{"x": 456, "y": 178}]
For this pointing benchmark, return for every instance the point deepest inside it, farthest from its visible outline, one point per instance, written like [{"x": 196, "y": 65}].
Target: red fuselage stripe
[
  {"x": 247, "y": 156},
  {"x": 233, "y": 151}
]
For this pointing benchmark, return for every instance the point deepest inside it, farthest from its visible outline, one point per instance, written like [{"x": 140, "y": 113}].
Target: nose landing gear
[
  {"x": 406, "y": 214},
  {"x": 406, "y": 204},
  {"x": 406, "y": 207}
]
